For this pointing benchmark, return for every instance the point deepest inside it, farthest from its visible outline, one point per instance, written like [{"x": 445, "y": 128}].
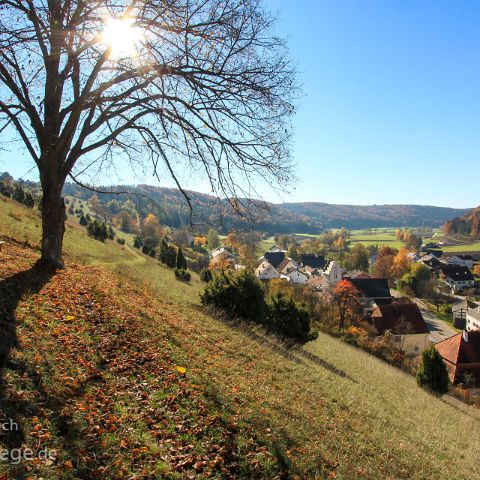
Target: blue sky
[{"x": 391, "y": 112}]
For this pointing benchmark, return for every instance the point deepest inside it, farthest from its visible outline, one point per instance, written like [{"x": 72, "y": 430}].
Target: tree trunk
[{"x": 53, "y": 221}]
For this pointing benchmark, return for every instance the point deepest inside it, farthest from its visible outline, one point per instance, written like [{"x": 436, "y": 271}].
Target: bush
[
  {"x": 288, "y": 318},
  {"x": 98, "y": 230},
  {"x": 182, "y": 274},
  {"x": 137, "y": 243},
  {"x": 206, "y": 275},
  {"x": 121, "y": 240},
  {"x": 148, "y": 249},
  {"x": 83, "y": 221},
  {"x": 28, "y": 200},
  {"x": 237, "y": 294},
  {"x": 432, "y": 372}
]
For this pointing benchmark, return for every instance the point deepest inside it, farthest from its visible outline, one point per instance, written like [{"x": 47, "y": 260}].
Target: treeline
[
  {"x": 19, "y": 191},
  {"x": 170, "y": 207},
  {"x": 466, "y": 226}
]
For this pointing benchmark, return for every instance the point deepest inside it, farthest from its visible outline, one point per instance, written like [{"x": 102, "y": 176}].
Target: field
[
  {"x": 469, "y": 247},
  {"x": 126, "y": 375},
  {"x": 380, "y": 239}
]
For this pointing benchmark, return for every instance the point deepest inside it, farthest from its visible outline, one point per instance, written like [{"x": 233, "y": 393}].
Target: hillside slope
[
  {"x": 464, "y": 226},
  {"x": 120, "y": 370}
]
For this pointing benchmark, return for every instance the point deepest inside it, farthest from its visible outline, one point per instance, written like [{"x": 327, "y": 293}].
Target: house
[
  {"x": 461, "y": 354},
  {"x": 223, "y": 256},
  {"x": 312, "y": 260},
  {"x": 405, "y": 322},
  {"x": 296, "y": 276},
  {"x": 431, "y": 261},
  {"x": 413, "y": 257},
  {"x": 374, "y": 292},
  {"x": 357, "y": 274},
  {"x": 472, "y": 319},
  {"x": 458, "y": 259},
  {"x": 458, "y": 278},
  {"x": 374, "y": 289},
  {"x": 332, "y": 273},
  {"x": 287, "y": 265},
  {"x": 266, "y": 271},
  {"x": 312, "y": 272},
  {"x": 274, "y": 248},
  {"x": 274, "y": 258}
]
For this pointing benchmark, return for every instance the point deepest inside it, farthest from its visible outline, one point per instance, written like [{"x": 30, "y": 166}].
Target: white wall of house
[
  {"x": 413, "y": 343},
  {"x": 266, "y": 271},
  {"x": 459, "y": 261},
  {"x": 472, "y": 320},
  {"x": 291, "y": 265},
  {"x": 459, "y": 285},
  {"x": 296, "y": 276},
  {"x": 333, "y": 273}
]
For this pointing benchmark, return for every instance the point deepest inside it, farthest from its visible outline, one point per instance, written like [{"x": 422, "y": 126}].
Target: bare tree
[{"x": 200, "y": 84}]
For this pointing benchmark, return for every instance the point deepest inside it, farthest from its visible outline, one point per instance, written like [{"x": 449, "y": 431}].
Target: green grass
[
  {"x": 325, "y": 410},
  {"x": 265, "y": 245},
  {"x": 468, "y": 247},
  {"x": 380, "y": 239}
]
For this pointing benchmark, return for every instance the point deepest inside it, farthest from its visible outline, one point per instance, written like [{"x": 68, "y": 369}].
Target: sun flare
[{"x": 122, "y": 37}]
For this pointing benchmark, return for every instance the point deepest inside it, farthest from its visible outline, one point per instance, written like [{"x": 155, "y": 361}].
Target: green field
[
  {"x": 380, "y": 239},
  {"x": 326, "y": 410},
  {"x": 469, "y": 247}
]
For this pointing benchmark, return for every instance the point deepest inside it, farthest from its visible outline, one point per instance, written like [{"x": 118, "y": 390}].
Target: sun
[{"x": 122, "y": 37}]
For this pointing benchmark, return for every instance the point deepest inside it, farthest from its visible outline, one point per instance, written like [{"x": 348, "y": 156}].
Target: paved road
[{"x": 439, "y": 330}]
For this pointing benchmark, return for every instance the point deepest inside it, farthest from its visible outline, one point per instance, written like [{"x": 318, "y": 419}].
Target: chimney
[{"x": 465, "y": 335}]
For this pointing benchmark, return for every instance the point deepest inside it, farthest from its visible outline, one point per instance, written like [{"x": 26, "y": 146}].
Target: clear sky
[{"x": 391, "y": 112}]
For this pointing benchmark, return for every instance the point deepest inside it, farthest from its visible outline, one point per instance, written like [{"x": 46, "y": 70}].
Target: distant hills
[
  {"x": 311, "y": 217},
  {"x": 464, "y": 226},
  {"x": 373, "y": 216}
]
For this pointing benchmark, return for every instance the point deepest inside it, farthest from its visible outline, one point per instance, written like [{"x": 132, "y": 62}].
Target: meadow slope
[{"x": 119, "y": 370}]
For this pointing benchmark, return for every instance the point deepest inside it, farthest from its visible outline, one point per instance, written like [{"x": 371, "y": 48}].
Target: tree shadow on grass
[
  {"x": 15, "y": 408},
  {"x": 12, "y": 290}
]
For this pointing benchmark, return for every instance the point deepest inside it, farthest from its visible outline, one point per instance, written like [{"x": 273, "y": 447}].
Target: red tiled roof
[
  {"x": 461, "y": 355},
  {"x": 395, "y": 316}
]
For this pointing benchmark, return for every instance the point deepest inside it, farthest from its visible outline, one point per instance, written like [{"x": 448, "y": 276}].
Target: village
[{"x": 392, "y": 309}]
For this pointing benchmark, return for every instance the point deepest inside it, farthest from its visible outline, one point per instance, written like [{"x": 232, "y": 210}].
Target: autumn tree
[
  {"x": 347, "y": 300},
  {"x": 152, "y": 231},
  {"x": 384, "y": 264},
  {"x": 401, "y": 263},
  {"x": 198, "y": 84},
  {"x": 126, "y": 222}
]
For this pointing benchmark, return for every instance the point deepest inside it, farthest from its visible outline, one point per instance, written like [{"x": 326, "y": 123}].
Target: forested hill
[
  {"x": 372, "y": 216},
  {"x": 467, "y": 225},
  {"x": 173, "y": 211}
]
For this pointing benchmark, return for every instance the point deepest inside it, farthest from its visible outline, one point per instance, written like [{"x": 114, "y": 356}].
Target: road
[{"x": 439, "y": 330}]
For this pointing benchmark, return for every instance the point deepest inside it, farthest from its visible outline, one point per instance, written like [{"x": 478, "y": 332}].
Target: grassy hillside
[{"x": 125, "y": 376}]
